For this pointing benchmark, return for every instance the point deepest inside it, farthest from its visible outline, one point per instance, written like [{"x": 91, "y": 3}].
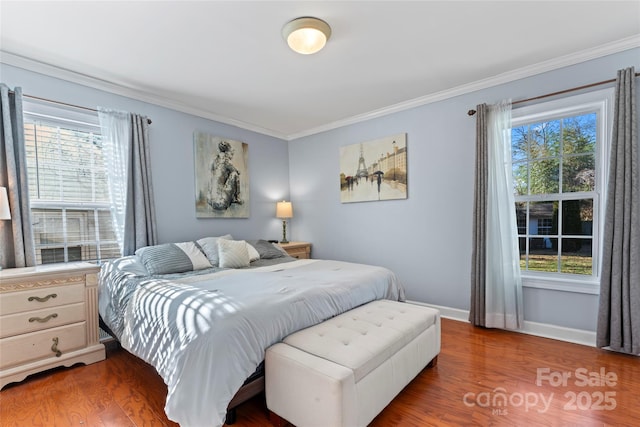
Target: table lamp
[{"x": 284, "y": 210}]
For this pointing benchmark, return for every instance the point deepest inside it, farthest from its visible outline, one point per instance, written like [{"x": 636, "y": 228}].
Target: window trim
[{"x": 601, "y": 101}]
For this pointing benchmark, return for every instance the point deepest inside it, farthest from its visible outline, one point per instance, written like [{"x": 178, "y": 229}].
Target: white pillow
[
  {"x": 254, "y": 255},
  {"x": 209, "y": 246},
  {"x": 233, "y": 253}
]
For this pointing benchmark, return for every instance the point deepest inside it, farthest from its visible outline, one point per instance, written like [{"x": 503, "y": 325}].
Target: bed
[{"x": 206, "y": 329}]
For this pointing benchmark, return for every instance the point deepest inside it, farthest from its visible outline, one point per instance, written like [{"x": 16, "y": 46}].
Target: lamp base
[{"x": 284, "y": 232}]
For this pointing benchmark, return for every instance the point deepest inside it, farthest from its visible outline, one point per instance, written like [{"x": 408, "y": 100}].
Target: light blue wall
[
  {"x": 172, "y": 163},
  {"x": 426, "y": 239}
]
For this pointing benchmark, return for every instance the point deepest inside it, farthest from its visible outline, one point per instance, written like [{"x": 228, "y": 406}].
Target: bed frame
[{"x": 253, "y": 385}]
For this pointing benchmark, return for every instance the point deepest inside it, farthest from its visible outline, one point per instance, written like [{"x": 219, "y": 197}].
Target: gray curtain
[
  {"x": 619, "y": 309},
  {"x": 477, "y": 312},
  {"x": 140, "y": 218},
  {"x": 16, "y": 235}
]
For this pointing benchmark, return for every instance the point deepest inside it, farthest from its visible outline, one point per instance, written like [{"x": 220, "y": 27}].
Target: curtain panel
[
  {"x": 478, "y": 256},
  {"x": 619, "y": 306},
  {"x": 116, "y": 129},
  {"x": 496, "y": 284},
  {"x": 140, "y": 221},
  {"x": 126, "y": 148},
  {"x": 16, "y": 234}
]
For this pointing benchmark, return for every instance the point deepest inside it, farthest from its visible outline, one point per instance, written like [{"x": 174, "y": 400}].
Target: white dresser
[{"x": 48, "y": 318}]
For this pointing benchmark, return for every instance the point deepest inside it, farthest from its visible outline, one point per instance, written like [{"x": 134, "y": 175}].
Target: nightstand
[
  {"x": 48, "y": 318},
  {"x": 300, "y": 250}
]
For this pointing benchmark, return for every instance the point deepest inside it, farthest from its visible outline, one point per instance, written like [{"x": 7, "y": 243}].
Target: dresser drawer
[
  {"x": 31, "y": 321},
  {"x": 35, "y": 299},
  {"x": 25, "y": 348}
]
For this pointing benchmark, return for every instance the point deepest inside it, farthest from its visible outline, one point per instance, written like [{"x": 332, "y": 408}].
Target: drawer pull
[
  {"x": 43, "y": 299},
  {"x": 43, "y": 319},
  {"x": 54, "y": 347}
]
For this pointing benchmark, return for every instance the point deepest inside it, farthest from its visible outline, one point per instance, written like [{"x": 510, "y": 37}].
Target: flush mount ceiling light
[{"x": 306, "y": 35}]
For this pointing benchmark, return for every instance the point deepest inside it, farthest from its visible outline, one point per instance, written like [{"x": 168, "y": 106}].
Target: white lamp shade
[
  {"x": 284, "y": 210},
  {"x": 5, "y": 212},
  {"x": 306, "y": 35}
]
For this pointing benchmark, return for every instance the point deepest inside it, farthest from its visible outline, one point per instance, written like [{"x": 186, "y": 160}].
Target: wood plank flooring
[{"x": 483, "y": 377}]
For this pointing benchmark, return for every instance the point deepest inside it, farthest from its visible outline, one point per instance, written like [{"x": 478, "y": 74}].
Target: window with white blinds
[{"x": 68, "y": 187}]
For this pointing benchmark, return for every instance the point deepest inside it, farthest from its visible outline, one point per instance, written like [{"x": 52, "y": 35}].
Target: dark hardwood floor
[{"x": 483, "y": 377}]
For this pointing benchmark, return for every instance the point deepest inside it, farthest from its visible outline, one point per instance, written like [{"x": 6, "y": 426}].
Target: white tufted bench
[{"x": 344, "y": 371}]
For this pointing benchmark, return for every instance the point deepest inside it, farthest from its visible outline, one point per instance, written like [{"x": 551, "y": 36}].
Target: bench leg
[
  {"x": 277, "y": 421},
  {"x": 433, "y": 363}
]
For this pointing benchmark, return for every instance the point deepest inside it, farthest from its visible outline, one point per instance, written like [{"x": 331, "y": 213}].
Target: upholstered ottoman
[{"x": 344, "y": 371}]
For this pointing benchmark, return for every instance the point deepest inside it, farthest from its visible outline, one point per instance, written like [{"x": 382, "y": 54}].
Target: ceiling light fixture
[{"x": 306, "y": 35}]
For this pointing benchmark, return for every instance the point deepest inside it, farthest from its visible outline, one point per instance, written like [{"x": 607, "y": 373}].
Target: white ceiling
[{"x": 228, "y": 61}]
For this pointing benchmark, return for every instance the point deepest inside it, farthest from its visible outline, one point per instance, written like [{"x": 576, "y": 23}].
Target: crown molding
[
  {"x": 521, "y": 73},
  {"x": 142, "y": 95},
  {"x": 127, "y": 91}
]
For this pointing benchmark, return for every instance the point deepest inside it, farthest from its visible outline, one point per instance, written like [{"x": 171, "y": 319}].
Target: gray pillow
[
  {"x": 172, "y": 258},
  {"x": 266, "y": 249}
]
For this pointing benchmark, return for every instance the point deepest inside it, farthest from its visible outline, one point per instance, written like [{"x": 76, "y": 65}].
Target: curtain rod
[
  {"x": 64, "y": 103},
  {"x": 573, "y": 89}
]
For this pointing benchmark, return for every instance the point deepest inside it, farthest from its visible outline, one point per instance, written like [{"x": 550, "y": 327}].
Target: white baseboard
[
  {"x": 545, "y": 330},
  {"x": 447, "y": 312}
]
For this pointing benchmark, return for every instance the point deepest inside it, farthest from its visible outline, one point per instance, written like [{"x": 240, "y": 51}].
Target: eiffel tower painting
[
  {"x": 362, "y": 168},
  {"x": 380, "y": 171}
]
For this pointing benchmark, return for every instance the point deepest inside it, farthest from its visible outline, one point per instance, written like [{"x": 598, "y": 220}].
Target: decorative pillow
[
  {"x": 172, "y": 258},
  {"x": 254, "y": 255},
  {"x": 266, "y": 249},
  {"x": 233, "y": 253},
  {"x": 209, "y": 246},
  {"x": 281, "y": 249}
]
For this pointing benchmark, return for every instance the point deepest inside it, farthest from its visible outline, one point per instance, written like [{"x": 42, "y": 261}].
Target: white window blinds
[{"x": 68, "y": 189}]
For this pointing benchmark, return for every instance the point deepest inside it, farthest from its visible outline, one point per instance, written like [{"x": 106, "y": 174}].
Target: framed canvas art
[
  {"x": 221, "y": 177},
  {"x": 374, "y": 170}
]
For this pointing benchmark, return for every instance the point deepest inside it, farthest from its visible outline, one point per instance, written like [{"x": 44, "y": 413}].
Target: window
[
  {"x": 68, "y": 190},
  {"x": 558, "y": 159}
]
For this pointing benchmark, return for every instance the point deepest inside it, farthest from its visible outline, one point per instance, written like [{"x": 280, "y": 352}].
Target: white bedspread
[{"x": 206, "y": 334}]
